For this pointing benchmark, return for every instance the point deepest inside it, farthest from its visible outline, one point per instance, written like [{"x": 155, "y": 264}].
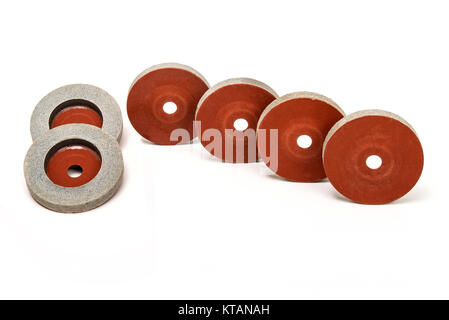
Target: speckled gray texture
[
  {"x": 79, "y": 199},
  {"x": 299, "y": 95},
  {"x": 360, "y": 114},
  {"x": 233, "y": 81},
  {"x": 109, "y": 108}
]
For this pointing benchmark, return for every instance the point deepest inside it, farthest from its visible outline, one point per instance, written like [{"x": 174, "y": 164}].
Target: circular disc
[
  {"x": 77, "y": 103},
  {"x": 158, "y": 85},
  {"x": 232, "y": 100},
  {"x": 284, "y": 121},
  {"x": 74, "y": 145},
  {"x": 373, "y": 133},
  {"x": 76, "y": 157}
]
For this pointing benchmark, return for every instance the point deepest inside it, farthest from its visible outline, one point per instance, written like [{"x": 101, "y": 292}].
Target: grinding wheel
[
  {"x": 378, "y": 135},
  {"x": 290, "y": 118},
  {"x": 93, "y": 152},
  {"x": 77, "y": 103},
  {"x": 157, "y": 87},
  {"x": 222, "y": 107}
]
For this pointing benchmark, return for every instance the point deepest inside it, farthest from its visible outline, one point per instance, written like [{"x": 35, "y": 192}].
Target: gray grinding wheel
[
  {"x": 66, "y": 146},
  {"x": 77, "y": 103}
]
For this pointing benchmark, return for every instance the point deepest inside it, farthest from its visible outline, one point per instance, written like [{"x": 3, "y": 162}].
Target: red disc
[
  {"x": 77, "y": 114},
  {"x": 281, "y": 125},
  {"x": 162, "y": 84},
  {"x": 79, "y": 157},
  {"x": 218, "y": 111},
  {"x": 373, "y": 133}
]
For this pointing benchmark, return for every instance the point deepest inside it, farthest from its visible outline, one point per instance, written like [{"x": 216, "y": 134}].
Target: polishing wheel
[
  {"x": 291, "y": 132},
  {"x": 373, "y": 157},
  {"x": 227, "y": 116},
  {"x": 77, "y": 103},
  {"x": 163, "y": 99},
  {"x": 73, "y": 168}
]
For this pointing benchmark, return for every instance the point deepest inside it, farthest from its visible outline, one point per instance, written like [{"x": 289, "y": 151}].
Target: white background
[{"x": 186, "y": 226}]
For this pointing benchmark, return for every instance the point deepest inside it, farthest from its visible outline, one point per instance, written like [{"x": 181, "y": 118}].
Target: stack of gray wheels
[{"x": 75, "y": 163}]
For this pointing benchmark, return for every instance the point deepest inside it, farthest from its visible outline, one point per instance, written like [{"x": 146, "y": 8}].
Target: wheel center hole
[
  {"x": 240, "y": 124},
  {"x": 304, "y": 141},
  {"x": 374, "y": 162},
  {"x": 75, "y": 171},
  {"x": 170, "y": 107}
]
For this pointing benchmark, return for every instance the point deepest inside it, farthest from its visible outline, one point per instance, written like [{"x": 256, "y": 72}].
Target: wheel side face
[
  {"x": 219, "y": 112},
  {"x": 349, "y": 147},
  {"x": 83, "y": 161},
  {"x": 295, "y": 118},
  {"x": 152, "y": 91}
]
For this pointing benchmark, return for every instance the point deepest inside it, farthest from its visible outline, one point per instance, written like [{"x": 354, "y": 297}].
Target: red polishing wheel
[
  {"x": 163, "y": 99},
  {"x": 373, "y": 157},
  {"x": 77, "y": 114},
  {"x": 227, "y": 117},
  {"x": 84, "y": 162},
  {"x": 291, "y": 132}
]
